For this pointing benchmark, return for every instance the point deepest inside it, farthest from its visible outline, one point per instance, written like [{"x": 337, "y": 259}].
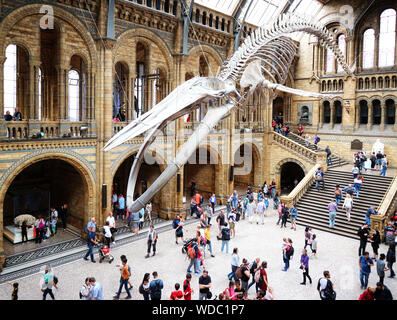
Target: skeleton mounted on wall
[{"x": 261, "y": 63}]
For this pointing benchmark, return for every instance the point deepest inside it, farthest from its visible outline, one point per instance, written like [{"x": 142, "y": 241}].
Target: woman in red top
[
  {"x": 187, "y": 290},
  {"x": 368, "y": 294},
  {"x": 263, "y": 283},
  {"x": 300, "y": 130}
]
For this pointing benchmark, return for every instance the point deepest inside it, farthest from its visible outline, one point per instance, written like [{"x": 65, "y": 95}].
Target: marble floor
[{"x": 337, "y": 254}]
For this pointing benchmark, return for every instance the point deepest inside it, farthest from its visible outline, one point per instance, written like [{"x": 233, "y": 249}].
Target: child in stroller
[{"x": 104, "y": 253}]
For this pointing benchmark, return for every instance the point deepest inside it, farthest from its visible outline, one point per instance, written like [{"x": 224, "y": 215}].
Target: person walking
[
  {"x": 260, "y": 211},
  {"x": 375, "y": 242},
  {"x": 325, "y": 287},
  {"x": 314, "y": 246},
  {"x": 245, "y": 275},
  {"x": 220, "y": 219},
  {"x": 370, "y": 212},
  {"x": 385, "y": 164},
  {"x": 319, "y": 177},
  {"x": 91, "y": 242},
  {"x": 308, "y": 237},
  {"x": 329, "y": 158},
  {"x": 112, "y": 225},
  {"x": 255, "y": 266},
  {"x": 358, "y": 184},
  {"x": 48, "y": 283},
  {"x": 251, "y": 207},
  {"x": 85, "y": 290},
  {"x": 144, "y": 287},
  {"x": 284, "y": 217},
  {"x": 121, "y": 205},
  {"x": 332, "y": 210},
  {"x": 207, "y": 236},
  {"x": 177, "y": 224},
  {"x": 304, "y": 265},
  {"x": 365, "y": 263},
  {"x": 204, "y": 286},
  {"x": 338, "y": 194},
  {"x": 187, "y": 289},
  {"x": 225, "y": 237},
  {"x": 96, "y": 291},
  {"x": 372, "y": 158},
  {"x": 63, "y": 212},
  {"x": 263, "y": 284},
  {"x": 381, "y": 267},
  {"x": 124, "y": 278},
  {"x": 348, "y": 205},
  {"x": 363, "y": 232},
  {"x": 108, "y": 233},
  {"x": 355, "y": 171},
  {"x": 288, "y": 252},
  {"x": 135, "y": 217},
  {"x": 192, "y": 253},
  {"x": 148, "y": 209},
  {"x": 235, "y": 264},
  {"x": 155, "y": 287},
  {"x": 391, "y": 258},
  {"x": 316, "y": 141},
  {"x": 151, "y": 241},
  {"x": 293, "y": 214},
  {"x": 378, "y": 162}
]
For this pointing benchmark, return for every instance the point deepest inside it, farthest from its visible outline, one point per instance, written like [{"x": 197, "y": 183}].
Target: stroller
[
  {"x": 103, "y": 256},
  {"x": 186, "y": 245}
]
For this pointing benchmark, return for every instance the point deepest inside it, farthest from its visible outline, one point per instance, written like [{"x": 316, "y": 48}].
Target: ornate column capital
[{"x": 109, "y": 43}]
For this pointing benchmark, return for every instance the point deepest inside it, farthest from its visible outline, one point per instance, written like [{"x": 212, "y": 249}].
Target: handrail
[
  {"x": 378, "y": 221},
  {"x": 340, "y": 158},
  {"x": 302, "y": 187},
  {"x": 294, "y": 146},
  {"x": 388, "y": 198}
]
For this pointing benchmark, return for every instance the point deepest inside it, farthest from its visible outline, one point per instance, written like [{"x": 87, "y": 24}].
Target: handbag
[{"x": 209, "y": 295}]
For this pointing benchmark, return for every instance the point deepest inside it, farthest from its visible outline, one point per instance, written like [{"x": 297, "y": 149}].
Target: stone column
[
  {"x": 370, "y": 120},
  {"x": 107, "y": 111},
  {"x": 395, "y": 118},
  {"x": 383, "y": 116},
  {"x": 357, "y": 117},
  {"x": 321, "y": 114},
  {"x": 2, "y": 61},
  {"x": 331, "y": 122}
]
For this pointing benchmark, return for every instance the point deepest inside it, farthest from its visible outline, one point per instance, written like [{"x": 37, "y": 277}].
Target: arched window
[
  {"x": 39, "y": 86},
  {"x": 390, "y": 111},
  {"x": 338, "y": 112},
  {"x": 387, "y": 38},
  {"x": 368, "y": 48},
  {"x": 74, "y": 95},
  {"x": 10, "y": 79},
  {"x": 327, "y": 112},
  {"x": 342, "y": 47},
  {"x": 363, "y": 112},
  {"x": 376, "y": 112},
  {"x": 198, "y": 16},
  {"x": 330, "y": 60}
]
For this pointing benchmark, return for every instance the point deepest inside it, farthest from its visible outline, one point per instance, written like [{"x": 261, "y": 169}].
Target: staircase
[
  {"x": 336, "y": 161},
  {"x": 313, "y": 205}
]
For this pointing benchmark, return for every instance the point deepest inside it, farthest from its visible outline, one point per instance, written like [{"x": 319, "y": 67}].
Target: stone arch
[
  {"x": 206, "y": 49},
  {"x": 34, "y": 9},
  {"x": 147, "y": 37},
  {"x": 256, "y": 162},
  {"x": 160, "y": 160},
  {"x": 19, "y": 43},
  {"x": 77, "y": 162},
  {"x": 277, "y": 171}
]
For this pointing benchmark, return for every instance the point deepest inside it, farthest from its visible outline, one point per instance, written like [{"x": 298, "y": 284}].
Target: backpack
[
  {"x": 337, "y": 192},
  {"x": 191, "y": 252},
  {"x": 328, "y": 292},
  {"x": 290, "y": 252},
  {"x": 257, "y": 277},
  {"x": 319, "y": 177},
  {"x": 55, "y": 280},
  {"x": 156, "y": 293},
  {"x": 174, "y": 224},
  {"x": 226, "y": 234},
  {"x": 239, "y": 273}
]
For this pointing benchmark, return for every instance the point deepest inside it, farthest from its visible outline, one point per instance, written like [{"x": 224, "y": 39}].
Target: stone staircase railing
[
  {"x": 386, "y": 208},
  {"x": 337, "y": 155},
  {"x": 295, "y": 147},
  {"x": 301, "y": 188}
]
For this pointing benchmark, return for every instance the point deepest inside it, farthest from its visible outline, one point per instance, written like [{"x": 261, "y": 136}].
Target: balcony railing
[{"x": 23, "y": 130}]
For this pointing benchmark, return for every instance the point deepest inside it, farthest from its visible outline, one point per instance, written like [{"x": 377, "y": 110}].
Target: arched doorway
[
  {"x": 148, "y": 173},
  {"x": 246, "y": 167},
  {"x": 44, "y": 184},
  {"x": 291, "y": 174},
  {"x": 200, "y": 171}
]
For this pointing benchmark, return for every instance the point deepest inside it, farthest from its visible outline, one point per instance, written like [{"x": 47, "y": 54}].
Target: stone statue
[{"x": 378, "y": 146}]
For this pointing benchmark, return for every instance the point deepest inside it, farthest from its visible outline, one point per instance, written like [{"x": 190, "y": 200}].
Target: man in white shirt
[
  {"x": 325, "y": 287},
  {"x": 112, "y": 225}
]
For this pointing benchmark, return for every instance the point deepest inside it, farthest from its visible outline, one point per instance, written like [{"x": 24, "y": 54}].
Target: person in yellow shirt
[{"x": 207, "y": 234}]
